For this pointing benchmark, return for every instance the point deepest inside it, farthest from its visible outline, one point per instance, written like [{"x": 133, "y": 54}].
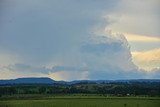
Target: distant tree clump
[{"x": 116, "y": 89}]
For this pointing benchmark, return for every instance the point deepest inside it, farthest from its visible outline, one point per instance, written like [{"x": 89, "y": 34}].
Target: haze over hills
[
  {"x": 45, "y": 80},
  {"x": 44, "y": 86}
]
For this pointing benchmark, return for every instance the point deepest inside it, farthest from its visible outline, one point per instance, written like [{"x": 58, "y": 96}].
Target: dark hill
[
  {"x": 41, "y": 80},
  {"x": 45, "y": 80}
]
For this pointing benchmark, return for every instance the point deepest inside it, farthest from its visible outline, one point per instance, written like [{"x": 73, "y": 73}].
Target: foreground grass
[{"x": 83, "y": 102}]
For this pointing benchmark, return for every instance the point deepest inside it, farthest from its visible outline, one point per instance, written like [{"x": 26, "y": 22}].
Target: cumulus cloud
[
  {"x": 138, "y": 20},
  {"x": 136, "y": 17},
  {"x": 141, "y": 38},
  {"x": 147, "y": 60},
  {"x": 59, "y": 39},
  {"x": 98, "y": 57}
]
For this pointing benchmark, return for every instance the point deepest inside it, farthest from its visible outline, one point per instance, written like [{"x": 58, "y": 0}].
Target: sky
[{"x": 80, "y": 39}]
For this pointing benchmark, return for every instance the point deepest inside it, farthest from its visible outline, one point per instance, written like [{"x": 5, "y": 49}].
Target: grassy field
[{"x": 83, "y": 102}]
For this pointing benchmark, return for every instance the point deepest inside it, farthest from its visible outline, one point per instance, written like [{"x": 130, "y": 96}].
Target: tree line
[{"x": 116, "y": 89}]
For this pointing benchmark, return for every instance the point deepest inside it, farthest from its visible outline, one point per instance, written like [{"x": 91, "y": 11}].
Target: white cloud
[
  {"x": 61, "y": 35},
  {"x": 147, "y": 60},
  {"x": 71, "y": 75},
  {"x": 99, "y": 57},
  {"x": 8, "y": 73},
  {"x": 138, "y": 20},
  {"x": 141, "y": 38},
  {"x": 136, "y": 17}
]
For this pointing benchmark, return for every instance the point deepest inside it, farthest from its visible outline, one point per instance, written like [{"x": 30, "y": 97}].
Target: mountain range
[{"x": 45, "y": 80}]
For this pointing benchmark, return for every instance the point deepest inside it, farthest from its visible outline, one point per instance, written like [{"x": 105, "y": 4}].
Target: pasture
[{"x": 83, "y": 102}]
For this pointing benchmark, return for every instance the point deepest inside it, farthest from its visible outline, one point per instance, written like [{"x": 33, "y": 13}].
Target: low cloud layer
[{"x": 99, "y": 57}]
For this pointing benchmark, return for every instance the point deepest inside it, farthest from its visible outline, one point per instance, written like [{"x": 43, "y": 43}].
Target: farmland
[
  {"x": 83, "y": 101},
  {"x": 145, "y": 93}
]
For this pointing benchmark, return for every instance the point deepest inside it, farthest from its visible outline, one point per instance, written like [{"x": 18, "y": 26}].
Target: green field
[{"x": 83, "y": 102}]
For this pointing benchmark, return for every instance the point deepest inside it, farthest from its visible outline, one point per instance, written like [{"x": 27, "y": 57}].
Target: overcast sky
[{"x": 80, "y": 39}]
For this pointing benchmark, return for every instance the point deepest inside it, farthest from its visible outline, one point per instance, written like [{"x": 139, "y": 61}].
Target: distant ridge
[
  {"x": 46, "y": 80},
  {"x": 34, "y": 80}
]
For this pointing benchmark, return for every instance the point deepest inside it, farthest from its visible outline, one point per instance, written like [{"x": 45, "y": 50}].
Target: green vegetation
[
  {"x": 113, "y": 89},
  {"x": 94, "y": 101},
  {"x": 81, "y": 95}
]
